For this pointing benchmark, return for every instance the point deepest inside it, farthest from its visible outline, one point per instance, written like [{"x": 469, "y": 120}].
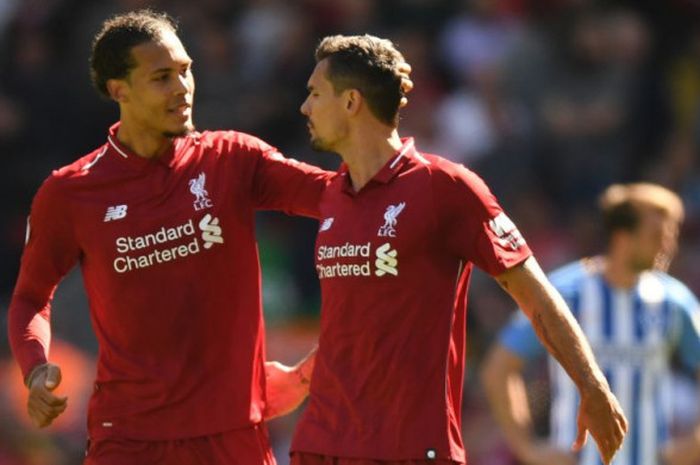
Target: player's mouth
[{"x": 183, "y": 110}]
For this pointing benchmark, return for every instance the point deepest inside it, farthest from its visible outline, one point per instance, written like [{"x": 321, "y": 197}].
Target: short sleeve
[
  {"x": 689, "y": 341},
  {"x": 284, "y": 184},
  {"x": 475, "y": 226}
]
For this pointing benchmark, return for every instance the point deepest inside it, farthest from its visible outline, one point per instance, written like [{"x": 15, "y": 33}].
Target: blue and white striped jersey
[{"x": 633, "y": 333}]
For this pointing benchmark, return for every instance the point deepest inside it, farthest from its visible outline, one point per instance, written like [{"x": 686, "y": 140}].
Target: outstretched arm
[
  {"x": 503, "y": 383},
  {"x": 599, "y": 410},
  {"x": 287, "y": 387},
  {"x": 685, "y": 449}
]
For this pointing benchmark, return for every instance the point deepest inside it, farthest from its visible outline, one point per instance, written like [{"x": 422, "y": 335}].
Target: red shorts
[
  {"x": 249, "y": 446},
  {"x": 306, "y": 458}
]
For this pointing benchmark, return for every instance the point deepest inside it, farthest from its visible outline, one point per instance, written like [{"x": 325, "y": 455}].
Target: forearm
[
  {"x": 505, "y": 391},
  {"x": 29, "y": 332},
  {"x": 555, "y": 326},
  {"x": 305, "y": 367}
]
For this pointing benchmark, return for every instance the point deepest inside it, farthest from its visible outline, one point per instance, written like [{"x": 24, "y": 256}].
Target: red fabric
[
  {"x": 302, "y": 458},
  {"x": 249, "y": 446},
  {"x": 394, "y": 261},
  {"x": 172, "y": 277}
]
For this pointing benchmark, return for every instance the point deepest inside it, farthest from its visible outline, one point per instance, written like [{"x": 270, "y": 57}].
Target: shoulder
[
  {"x": 233, "y": 142},
  {"x": 63, "y": 178},
  {"x": 676, "y": 292},
  {"x": 448, "y": 176},
  {"x": 568, "y": 278}
]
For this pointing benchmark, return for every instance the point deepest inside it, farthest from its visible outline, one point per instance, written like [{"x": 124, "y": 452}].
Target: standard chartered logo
[
  {"x": 350, "y": 260},
  {"x": 386, "y": 261},
  {"x": 166, "y": 244},
  {"x": 211, "y": 231}
]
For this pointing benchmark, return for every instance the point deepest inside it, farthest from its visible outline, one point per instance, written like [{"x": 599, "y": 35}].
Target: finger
[
  {"x": 580, "y": 441},
  {"x": 403, "y": 102},
  {"x": 46, "y": 397},
  {"x": 53, "y": 377},
  {"x": 405, "y": 68}
]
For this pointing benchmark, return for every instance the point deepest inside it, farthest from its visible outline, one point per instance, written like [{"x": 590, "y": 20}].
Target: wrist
[{"x": 36, "y": 371}]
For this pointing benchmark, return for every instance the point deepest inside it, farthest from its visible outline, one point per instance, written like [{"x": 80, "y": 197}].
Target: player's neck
[
  {"x": 618, "y": 273},
  {"x": 143, "y": 143},
  {"x": 367, "y": 154}
]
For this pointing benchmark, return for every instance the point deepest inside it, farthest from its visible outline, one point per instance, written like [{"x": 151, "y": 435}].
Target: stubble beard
[{"x": 186, "y": 130}]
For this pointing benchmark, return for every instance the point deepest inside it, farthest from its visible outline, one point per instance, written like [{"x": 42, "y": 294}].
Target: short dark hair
[
  {"x": 111, "y": 48},
  {"x": 368, "y": 64},
  {"x": 621, "y": 204}
]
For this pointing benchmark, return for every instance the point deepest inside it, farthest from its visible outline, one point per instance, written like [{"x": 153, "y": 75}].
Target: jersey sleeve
[
  {"x": 519, "y": 337},
  {"x": 50, "y": 252},
  {"x": 476, "y": 228},
  {"x": 689, "y": 340},
  {"x": 281, "y": 183}
]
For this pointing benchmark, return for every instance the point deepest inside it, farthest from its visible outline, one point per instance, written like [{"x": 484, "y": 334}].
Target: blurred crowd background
[{"x": 548, "y": 100}]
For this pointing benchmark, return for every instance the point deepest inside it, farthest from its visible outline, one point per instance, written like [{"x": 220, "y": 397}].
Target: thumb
[
  {"x": 581, "y": 437},
  {"x": 53, "y": 377}
]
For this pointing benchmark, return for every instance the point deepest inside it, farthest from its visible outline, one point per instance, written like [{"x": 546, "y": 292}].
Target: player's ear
[
  {"x": 118, "y": 90},
  {"x": 353, "y": 101}
]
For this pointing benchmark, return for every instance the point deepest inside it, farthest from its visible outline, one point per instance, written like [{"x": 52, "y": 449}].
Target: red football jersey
[
  {"x": 170, "y": 265},
  {"x": 394, "y": 261}
]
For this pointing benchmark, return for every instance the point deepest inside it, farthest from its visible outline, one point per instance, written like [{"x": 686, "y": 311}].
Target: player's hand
[
  {"x": 43, "y": 406},
  {"x": 683, "y": 450},
  {"x": 404, "y": 70},
  {"x": 601, "y": 414},
  {"x": 286, "y": 389},
  {"x": 544, "y": 454}
]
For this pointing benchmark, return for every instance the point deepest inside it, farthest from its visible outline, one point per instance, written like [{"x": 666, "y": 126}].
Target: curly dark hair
[
  {"x": 368, "y": 64},
  {"x": 111, "y": 48}
]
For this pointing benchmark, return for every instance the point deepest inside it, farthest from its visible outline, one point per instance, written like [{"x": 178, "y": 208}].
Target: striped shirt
[{"x": 633, "y": 333}]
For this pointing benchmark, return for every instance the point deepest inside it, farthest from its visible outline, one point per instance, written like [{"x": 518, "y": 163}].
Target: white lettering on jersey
[
  {"x": 211, "y": 231},
  {"x": 506, "y": 231},
  {"x": 202, "y": 199},
  {"x": 117, "y": 212},
  {"x": 388, "y": 229}
]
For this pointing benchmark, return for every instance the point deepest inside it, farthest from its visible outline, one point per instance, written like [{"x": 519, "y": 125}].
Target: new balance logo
[
  {"x": 386, "y": 262},
  {"x": 116, "y": 212},
  {"x": 326, "y": 225},
  {"x": 211, "y": 231}
]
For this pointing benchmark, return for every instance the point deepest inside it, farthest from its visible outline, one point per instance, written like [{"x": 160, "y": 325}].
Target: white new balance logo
[
  {"x": 211, "y": 231},
  {"x": 116, "y": 212}
]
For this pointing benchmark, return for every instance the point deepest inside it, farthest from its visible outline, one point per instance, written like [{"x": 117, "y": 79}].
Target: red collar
[
  {"x": 390, "y": 169},
  {"x": 129, "y": 157}
]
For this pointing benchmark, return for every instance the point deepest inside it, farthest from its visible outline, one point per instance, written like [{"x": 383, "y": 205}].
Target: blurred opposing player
[
  {"x": 399, "y": 235},
  {"x": 634, "y": 315},
  {"x": 160, "y": 218}
]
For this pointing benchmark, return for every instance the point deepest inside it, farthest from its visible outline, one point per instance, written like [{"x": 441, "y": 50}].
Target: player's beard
[{"x": 187, "y": 129}]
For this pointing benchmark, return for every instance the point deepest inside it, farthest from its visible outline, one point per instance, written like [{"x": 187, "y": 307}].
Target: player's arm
[
  {"x": 50, "y": 252},
  {"x": 287, "y": 387},
  {"x": 504, "y": 385},
  {"x": 685, "y": 449},
  {"x": 599, "y": 410}
]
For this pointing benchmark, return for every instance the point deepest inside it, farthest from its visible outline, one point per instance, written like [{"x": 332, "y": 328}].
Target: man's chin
[{"x": 183, "y": 131}]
